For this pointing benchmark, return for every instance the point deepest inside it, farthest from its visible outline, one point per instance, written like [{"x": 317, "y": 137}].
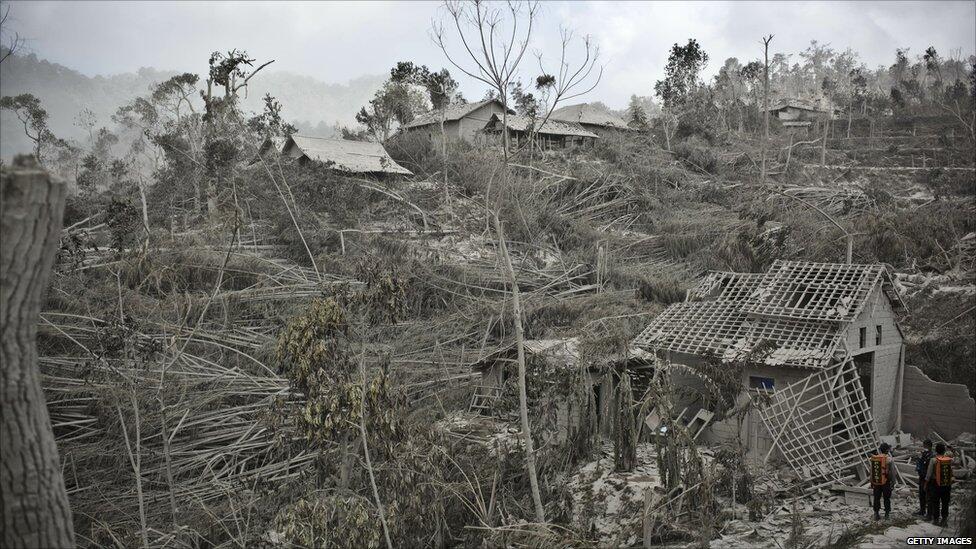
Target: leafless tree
[
  {"x": 765, "y": 143},
  {"x": 9, "y": 43},
  {"x": 569, "y": 81},
  {"x": 495, "y": 40}
]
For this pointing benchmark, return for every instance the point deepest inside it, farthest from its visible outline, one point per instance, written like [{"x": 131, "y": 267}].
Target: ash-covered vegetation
[{"x": 240, "y": 349}]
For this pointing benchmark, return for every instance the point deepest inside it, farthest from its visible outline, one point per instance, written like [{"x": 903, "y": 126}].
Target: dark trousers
[
  {"x": 923, "y": 498},
  {"x": 879, "y": 492},
  {"x": 939, "y": 501}
]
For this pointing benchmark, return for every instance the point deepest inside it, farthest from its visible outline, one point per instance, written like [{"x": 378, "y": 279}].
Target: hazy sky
[{"x": 338, "y": 41}]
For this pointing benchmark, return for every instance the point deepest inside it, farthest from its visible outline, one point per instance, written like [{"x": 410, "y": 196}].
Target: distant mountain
[{"x": 314, "y": 106}]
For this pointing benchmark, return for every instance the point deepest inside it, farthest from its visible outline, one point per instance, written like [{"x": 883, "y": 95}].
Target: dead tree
[
  {"x": 765, "y": 142},
  {"x": 13, "y": 42},
  {"x": 493, "y": 40},
  {"x": 540, "y": 514},
  {"x": 569, "y": 81},
  {"x": 35, "y": 509}
]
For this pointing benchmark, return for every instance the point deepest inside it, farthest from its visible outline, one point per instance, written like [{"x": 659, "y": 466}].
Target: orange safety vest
[
  {"x": 943, "y": 471},
  {"x": 879, "y": 470}
]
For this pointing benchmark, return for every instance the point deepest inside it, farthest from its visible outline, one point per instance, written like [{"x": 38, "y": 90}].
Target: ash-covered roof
[
  {"x": 344, "y": 155},
  {"x": 584, "y": 113},
  {"x": 551, "y": 127},
  {"x": 793, "y": 314},
  {"x": 796, "y": 103},
  {"x": 451, "y": 113},
  {"x": 558, "y": 352}
]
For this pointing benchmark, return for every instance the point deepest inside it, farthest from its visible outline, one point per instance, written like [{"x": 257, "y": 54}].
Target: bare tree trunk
[
  {"x": 505, "y": 127},
  {"x": 850, "y": 116},
  {"x": 540, "y": 514},
  {"x": 823, "y": 146},
  {"x": 765, "y": 142},
  {"x": 447, "y": 193},
  {"x": 34, "y": 508}
]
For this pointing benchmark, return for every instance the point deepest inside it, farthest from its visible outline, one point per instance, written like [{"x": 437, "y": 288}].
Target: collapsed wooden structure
[{"x": 821, "y": 352}]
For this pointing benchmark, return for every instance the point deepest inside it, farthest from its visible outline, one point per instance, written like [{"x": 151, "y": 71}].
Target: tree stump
[{"x": 33, "y": 502}]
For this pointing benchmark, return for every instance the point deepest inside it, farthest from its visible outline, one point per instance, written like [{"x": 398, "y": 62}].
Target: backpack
[
  {"x": 943, "y": 471},
  {"x": 879, "y": 470}
]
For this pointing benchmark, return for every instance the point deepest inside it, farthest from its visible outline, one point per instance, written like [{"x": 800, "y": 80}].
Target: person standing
[
  {"x": 922, "y": 467},
  {"x": 882, "y": 472},
  {"x": 938, "y": 479}
]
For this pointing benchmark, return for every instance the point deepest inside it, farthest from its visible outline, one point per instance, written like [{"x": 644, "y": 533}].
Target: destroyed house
[
  {"x": 821, "y": 352},
  {"x": 591, "y": 118},
  {"x": 498, "y": 373},
  {"x": 461, "y": 122},
  {"x": 550, "y": 134},
  {"x": 341, "y": 155}
]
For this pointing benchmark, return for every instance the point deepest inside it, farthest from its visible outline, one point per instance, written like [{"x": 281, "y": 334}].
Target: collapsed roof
[
  {"x": 563, "y": 352},
  {"x": 795, "y": 313},
  {"x": 341, "y": 154}
]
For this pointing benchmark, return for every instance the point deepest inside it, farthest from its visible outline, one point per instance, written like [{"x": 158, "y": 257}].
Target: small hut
[{"x": 553, "y": 360}]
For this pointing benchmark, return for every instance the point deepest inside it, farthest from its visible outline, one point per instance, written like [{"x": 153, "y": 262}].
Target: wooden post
[{"x": 34, "y": 510}]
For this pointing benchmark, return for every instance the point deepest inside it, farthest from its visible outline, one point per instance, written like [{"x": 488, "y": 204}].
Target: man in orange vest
[
  {"x": 938, "y": 483},
  {"x": 882, "y": 473}
]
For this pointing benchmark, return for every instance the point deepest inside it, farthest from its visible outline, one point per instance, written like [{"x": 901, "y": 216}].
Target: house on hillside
[
  {"x": 553, "y": 134},
  {"x": 461, "y": 122},
  {"x": 798, "y": 113},
  {"x": 822, "y": 358},
  {"x": 593, "y": 119},
  {"x": 341, "y": 155},
  {"x": 549, "y": 360}
]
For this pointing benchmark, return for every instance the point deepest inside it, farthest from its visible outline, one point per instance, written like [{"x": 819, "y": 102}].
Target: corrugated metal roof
[
  {"x": 344, "y": 155},
  {"x": 585, "y": 113},
  {"x": 551, "y": 127},
  {"x": 451, "y": 113}
]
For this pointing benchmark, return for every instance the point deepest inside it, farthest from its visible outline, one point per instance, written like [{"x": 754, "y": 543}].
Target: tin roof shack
[
  {"x": 821, "y": 353},
  {"x": 551, "y": 135},
  {"x": 341, "y": 155},
  {"x": 591, "y": 118},
  {"x": 552, "y": 367},
  {"x": 461, "y": 122}
]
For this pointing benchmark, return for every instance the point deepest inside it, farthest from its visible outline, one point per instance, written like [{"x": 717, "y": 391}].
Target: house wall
[
  {"x": 751, "y": 430},
  {"x": 887, "y": 357},
  {"x": 451, "y": 129},
  {"x": 476, "y": 120},
  {"x": 927, "y": 406}
]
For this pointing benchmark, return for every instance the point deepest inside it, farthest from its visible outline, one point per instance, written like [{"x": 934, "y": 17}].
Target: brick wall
[
  {"x": 887, "y": 356},
  {"x": 932, "y": 406}
]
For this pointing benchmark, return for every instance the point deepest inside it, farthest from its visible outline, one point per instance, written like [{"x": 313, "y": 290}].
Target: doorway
[{"x": 864, "y": 363}]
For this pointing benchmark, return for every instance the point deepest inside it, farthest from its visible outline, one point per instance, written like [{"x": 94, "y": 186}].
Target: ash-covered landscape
[{"x": 488, "y": 274}]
